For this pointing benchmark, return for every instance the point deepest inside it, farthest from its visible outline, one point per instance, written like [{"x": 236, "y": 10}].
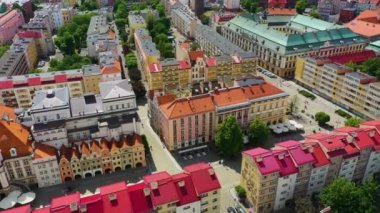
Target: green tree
[
  {"x": 344, "y": 196},
  {"x": 229, "y": 138},
  {"x": 69, "y": 62},
  {"x": 161, "y": 38},
  {"x": 161, "y": 10},
  {"x": 34, "y": 71},
  {"x": 252, "y": 6},
  {"x": 301, "y": 6},
  {"x": 194, "y": 46},
  {"x": 293, "y": 105},
  {"x": 130, "y": 60},
  {"x": 258, "y": 131},
  {"x": 322, "y": 118},
  {"x": 122, "y": 11},
  {"x": 3, "y": 49},
  {"x": 139, "y": 89},
  {"x": 205, "y": 19},
  {"x": 353, "y": 121},
  {"x": 314, "y": 13},
  {"x": 150, "y": 19},
  {"x": 240, "y": 191}
]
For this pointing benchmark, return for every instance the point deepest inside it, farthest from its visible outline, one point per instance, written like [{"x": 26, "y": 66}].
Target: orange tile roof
[
  {"x": 282, "y": 11},
  {"x": 104, "y": 144},
  {"x": 94, "y": 147},
  {"x": 229, "y": 97},
  {"x": 13, "y": 134},
  {"x": 366, "y": 24},
  {"x": 187, "y": 106},
  {"x": 85, "y": 150},
  {"x": 203, "y": 103},
  {"x": 43, "y": 151},
  {"x": 111, "y": 34},
  {"x": 165, "y": 99},
  {"x": 194, "y": 55},
  {"x": 258, "y": 91},
  {"x": 114, "y": 145},
  {"x": 124, "y": 142},
  {"x": 116, "y": 68}
]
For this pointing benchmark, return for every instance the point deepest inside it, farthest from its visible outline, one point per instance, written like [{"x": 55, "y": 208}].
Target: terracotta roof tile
[
  {"x": 114, "y": 145},
  {"x": 94, "y": 147},
  {"x": 13, "y": 134},
  {"x": 194, "y": 55},
  {"x": 75, "y": 152},
  {"x": 43, "y": 151},
  {"x": 104, "y": 144},
  {"x": 188, "y": 106},
  {"x": 65, "y": 153},
  {"x": 85, "y": 150},
  {"x": 282, "y": 11},
  {"x": 164, "y": 99},
  {"x": 366, "y": 24}
]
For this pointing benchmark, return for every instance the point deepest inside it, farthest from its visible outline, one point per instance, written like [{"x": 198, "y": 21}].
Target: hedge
[
  {"x": 343, "y": 113},
  {"x": 307, "y": 94}
]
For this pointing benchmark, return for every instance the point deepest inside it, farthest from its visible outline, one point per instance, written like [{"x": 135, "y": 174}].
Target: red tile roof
[
  {"x": 373, "y": 123},
  {"x": 357, "y": 57},
  {"x": 183, "y": 64},
  {"x": 281, "y": 11},
  {"x": 21, "y": 209},
  {"x": 203, "y": 177},
  {"x": 155, "y": 68},
  {"x": 185, "y": 189},
  {"x": 93, "y": 203},
  {"x": 300, "y": 154},
  {"x": 140, "y": 202},
  {"x": 285, "y": 162},
  {"x": 211, "y": 62},
  {"x": 13, "y": 134},
  {"x": 261, "y": 90},
  {"x": 165, "y": 99},
  {"x": 194, "y": 55},
  {"x": 319, "y": 156},
  {"x": 122, "y": 203},
  {"x": 29, "y": 34},
  {"x": 162, "y": 188},
  {"x": 264, "y": 159},
  {"x": 42, "y": 210},
  {"x": 63, "y": 203},
  {"x": 228, "y": 97}
]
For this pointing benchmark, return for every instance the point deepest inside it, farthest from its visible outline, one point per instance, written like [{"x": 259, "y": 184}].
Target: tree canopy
[
  {"x": 229, "y": 138},
  {"x": 344, "y": 196},
  {"x": 88, "y": 5},
  {"x": 301, "y": 6},
  {"x": 69, "y": 62},
  {"x": 71, "y": 37},
  {"x": 322, "y": 118},
  {"x": 252, "y": 6},
  {"x": 353, "y": 121},
  {"x": 371, "y": 67},
  {"x": 3, "y": 49},
  {"x": 130, "y": 60},
  {"x": 159, "y": 29},
  {"x": 258, "y": 131}
]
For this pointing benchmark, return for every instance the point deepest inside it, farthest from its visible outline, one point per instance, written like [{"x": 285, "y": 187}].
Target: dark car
[{"x": 239, "y": 209}]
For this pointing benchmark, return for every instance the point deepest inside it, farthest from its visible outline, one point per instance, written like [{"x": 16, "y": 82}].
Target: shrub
[
  {"x": 322, "y": 118},
  {"x": 307, "y": 94},
  {"x": 343, "y": 113},
  {"x": 146, "y": 144},
  {"x": 240, "y": 191}
]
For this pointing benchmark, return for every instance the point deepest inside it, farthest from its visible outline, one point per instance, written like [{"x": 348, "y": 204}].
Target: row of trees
[
  {"x": 229, "y": 137},
  {"x": 159, "y": 29},
  {"x": 370, "y": 66},
  {"x": 71, "y": 37},
  {"x": 3, "y": 48}
]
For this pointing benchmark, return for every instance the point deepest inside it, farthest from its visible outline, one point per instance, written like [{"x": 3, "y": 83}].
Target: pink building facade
[{"x": 9, "y": 25}]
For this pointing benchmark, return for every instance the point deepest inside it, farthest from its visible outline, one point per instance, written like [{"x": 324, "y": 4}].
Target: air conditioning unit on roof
[
  {"x": 73, "y": 207},
  {"x": 146, "y": 191},
  {"x": 181, "y": 183},
  {"x": 154, "y": 185},
  {"x": 112, "y": 196}
]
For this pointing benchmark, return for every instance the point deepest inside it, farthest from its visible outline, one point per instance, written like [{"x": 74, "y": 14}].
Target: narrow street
[{"x": 162, "y": 159}]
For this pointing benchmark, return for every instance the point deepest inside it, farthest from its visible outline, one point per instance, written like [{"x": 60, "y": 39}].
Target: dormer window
[{"x": 13, "y": 152}]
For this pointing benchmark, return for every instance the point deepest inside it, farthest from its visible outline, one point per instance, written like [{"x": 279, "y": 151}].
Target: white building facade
[{"x": 47, "y": 171}]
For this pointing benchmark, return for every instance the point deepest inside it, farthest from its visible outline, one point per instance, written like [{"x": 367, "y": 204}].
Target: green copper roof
[{"x": 307, "y": 38}]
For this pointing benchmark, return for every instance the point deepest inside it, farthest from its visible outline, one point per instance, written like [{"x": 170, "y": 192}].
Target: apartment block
[
  {"x": 39, "y": 39},
  {"x": 13, "y": 63},
  {"x": 184, "y": 20},
  {"x": 213, "y": 43},
  {"x": 45, "y": 165},
  {"x": 9, "y": 25},
  {"x": 278, "y": 41},
  {"x": 146, "y": 50},
  {"x": 135, "y": 22},
  {"x": 28, "y": 47},
  {"x": 292, "y": 169},
  {"x": 184, "y": 122},
  {"x": 100, "y": 37},
  {"x": 330, "y": 78},
  {"x": 158, "y": 192},
  {"x": 68, "y": 14}
]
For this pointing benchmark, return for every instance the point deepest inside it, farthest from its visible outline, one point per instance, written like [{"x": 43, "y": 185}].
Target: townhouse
[
  {"x": 329, "y": 77},
  {"x": 183, "y": 122},
  {"x": 278, "y": 43},
  {"x": 292, "y": 169},
  {"x": 196, "y": 189},
  {"x": 184, "y": 20},
  {"x": 135, "y": 22}
]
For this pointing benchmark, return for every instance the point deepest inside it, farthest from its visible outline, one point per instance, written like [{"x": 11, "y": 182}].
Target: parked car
[
  {"x": 259, "y": 69},
  {"x": 41, "y": 64},
  {"x": 231, "y": 210},
  {"x": 239, "y": 209}
]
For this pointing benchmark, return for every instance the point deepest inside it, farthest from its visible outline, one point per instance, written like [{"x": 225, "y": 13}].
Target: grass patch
[{"x": 307, "y": 94}]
